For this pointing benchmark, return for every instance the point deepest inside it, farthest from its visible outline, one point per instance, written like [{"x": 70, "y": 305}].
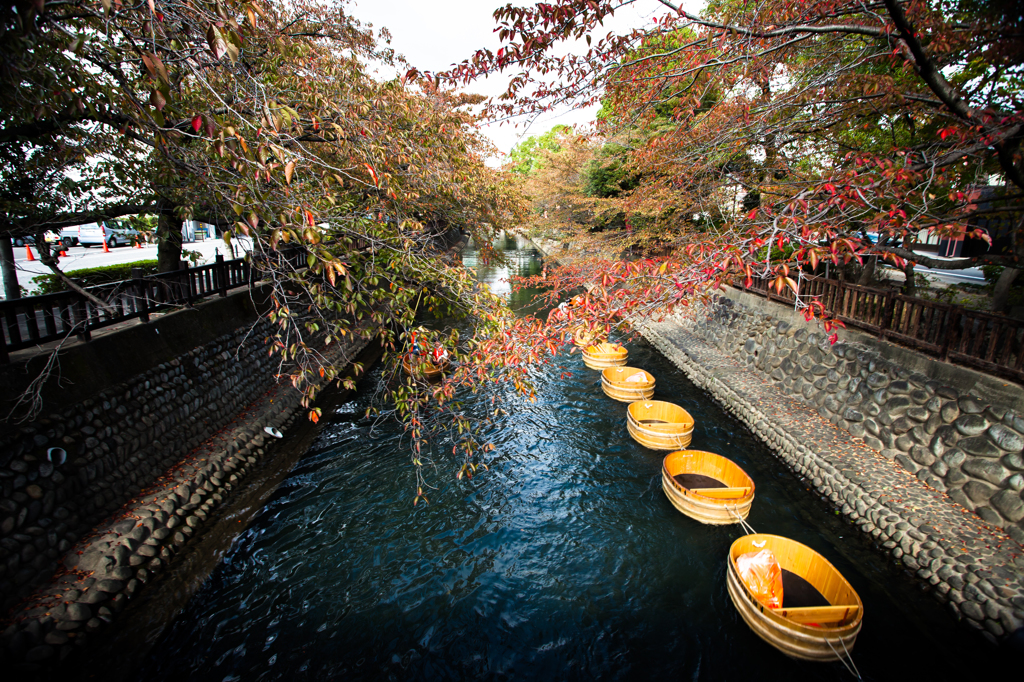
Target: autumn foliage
[
  {"x": 757, "y": 140},
  {"x": 774, "y": 137}
]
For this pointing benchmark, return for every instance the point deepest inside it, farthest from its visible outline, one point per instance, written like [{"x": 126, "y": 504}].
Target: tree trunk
[
  {"x": 10, "y": 275},
  {"x": 910, "y": 286},
  {"x": 168, "y": 233},
  {"x": 867, "y": 274},
  {"x": 1002, "y": 290}
]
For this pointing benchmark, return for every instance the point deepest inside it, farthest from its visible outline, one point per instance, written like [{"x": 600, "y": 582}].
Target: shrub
[
  {"x": 991, "y": 272},
  {"x": 87, "y": 277}
]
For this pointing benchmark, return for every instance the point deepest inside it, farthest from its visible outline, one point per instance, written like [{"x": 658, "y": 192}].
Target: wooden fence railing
[
  {"x": 27, "y": 322},
  {"x": 991, "y": 343}
]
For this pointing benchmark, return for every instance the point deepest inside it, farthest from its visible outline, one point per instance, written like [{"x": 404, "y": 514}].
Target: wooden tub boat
[
  {"x": 659, "y": 425},
  {"x": 584, "y": 337},
  {"x": 821, "y": 613},
  {"x": 420, "y": 367},
  {"x": 621, "y": 384},
  {"x": 707, "y": 487},
  {"x": 601, "y": 355}
]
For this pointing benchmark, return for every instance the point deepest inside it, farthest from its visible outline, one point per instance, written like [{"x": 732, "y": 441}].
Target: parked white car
[{"x": 112, "y": 232}]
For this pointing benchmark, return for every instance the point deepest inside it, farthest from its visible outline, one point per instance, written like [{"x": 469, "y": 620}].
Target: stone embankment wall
[
  {"x": 952, "y": 439},
  {"x": 116, "y": 443},
  {"x": 147, "y": 460},
  {"x": 904, "y": 441}
]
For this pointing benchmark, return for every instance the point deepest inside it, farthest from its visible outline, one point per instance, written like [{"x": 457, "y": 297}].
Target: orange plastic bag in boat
[{"x": 761, "y": 573}]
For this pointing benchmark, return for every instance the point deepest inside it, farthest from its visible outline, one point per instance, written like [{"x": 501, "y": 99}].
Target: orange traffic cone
[
  {"x": 106, "y": 249},
  {"x": 28, "y": 252},
  {"x": 63, "y": 253},
  {"x": 138, "y": 244}
]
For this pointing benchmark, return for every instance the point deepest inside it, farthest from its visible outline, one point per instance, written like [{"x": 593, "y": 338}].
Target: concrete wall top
[{"x": 110, "y": 359}]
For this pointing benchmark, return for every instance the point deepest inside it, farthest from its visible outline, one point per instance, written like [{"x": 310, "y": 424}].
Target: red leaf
[{"x": 197, "y": 122}]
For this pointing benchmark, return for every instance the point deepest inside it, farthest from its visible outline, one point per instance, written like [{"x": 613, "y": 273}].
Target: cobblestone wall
[
  {"x": 955, "y": 442},
  {"x": 116, "y": 443}
]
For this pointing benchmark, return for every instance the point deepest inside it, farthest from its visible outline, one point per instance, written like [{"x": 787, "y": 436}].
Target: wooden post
[
  {"x": 13, "y": 325},
  {"x": 952, "y": 330},
  {"x": 220, "y": 273},
  {"x": 186, "y": 279},
  {"x": 887, "y": 310},
  {"x": 4, "y": 357},
  {"x": 141, "y": 294},
  {"x": 82, "y": 317}
]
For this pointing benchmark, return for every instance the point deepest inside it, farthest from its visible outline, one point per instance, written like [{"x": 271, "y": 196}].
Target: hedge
[{"x": 87, "y": 277}]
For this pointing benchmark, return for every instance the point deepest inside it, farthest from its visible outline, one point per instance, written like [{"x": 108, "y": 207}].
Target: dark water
[{"x": 564, "y": 561}]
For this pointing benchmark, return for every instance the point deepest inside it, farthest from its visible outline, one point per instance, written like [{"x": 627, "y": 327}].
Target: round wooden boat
[
  {"x": 821, "y": 613},
  {"x": 659, "y": 425},
  {"x": 584, "y": 337},
  {"x": 619, "y": 383},
  {"x": 707, "y": 487},
  {"x": 420, "y": 367},
  {"x": 604, "y": 354}
]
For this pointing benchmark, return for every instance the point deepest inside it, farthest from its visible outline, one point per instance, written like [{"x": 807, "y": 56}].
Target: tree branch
[
  {"x": 854, "y": 29},
  {"x": 70, "y": 219},
  {"x": 925, "y": 67},
  {"x": 937, "y": 264},
  {"x": 46, "y": 256}
]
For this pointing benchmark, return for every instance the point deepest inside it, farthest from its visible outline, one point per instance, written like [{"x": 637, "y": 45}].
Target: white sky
[{"x": 434, "y": 34}]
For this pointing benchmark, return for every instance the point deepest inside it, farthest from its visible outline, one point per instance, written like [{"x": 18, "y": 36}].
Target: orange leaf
[{"x": 373, "y": 174}]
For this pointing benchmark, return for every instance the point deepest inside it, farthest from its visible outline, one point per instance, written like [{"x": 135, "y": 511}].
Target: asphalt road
[{"x": 80, "y": 257}]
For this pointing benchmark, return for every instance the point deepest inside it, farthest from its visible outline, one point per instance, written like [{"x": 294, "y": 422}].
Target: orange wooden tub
[
  {"x": 421, "y": 368},
  {"x": 602, "y": 355},
  {"x": 659, "y": 425},
  {"x": 707, "y": 487},
  {"x": 823, "y": 632},
  {"x": 617, "y": 383}
]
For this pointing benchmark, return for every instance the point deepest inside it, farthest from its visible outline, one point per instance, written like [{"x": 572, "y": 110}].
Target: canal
[{"x": 563, "y": 561}]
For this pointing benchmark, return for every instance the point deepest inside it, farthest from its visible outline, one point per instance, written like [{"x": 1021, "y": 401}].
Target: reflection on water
[
  {"x": 564, "y": 561},
  {"x": 523, "y": 260}
]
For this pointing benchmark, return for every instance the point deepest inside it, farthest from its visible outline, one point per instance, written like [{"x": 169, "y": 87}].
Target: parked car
[
  {"x": 67, "y": 237},
  {"x": 113, "y": 232},
  {"x": 51, "y": 238}
]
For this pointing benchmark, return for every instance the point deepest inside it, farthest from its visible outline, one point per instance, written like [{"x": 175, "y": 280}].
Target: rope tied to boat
[
  {"x": 851, "y": 667},
  {"x": 743, "y": 522}
]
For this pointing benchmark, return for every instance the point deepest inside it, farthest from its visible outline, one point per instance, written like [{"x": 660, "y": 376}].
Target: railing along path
[
  {"x": 35, "y": 320},
  {"x": 991, "y": 343}
]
